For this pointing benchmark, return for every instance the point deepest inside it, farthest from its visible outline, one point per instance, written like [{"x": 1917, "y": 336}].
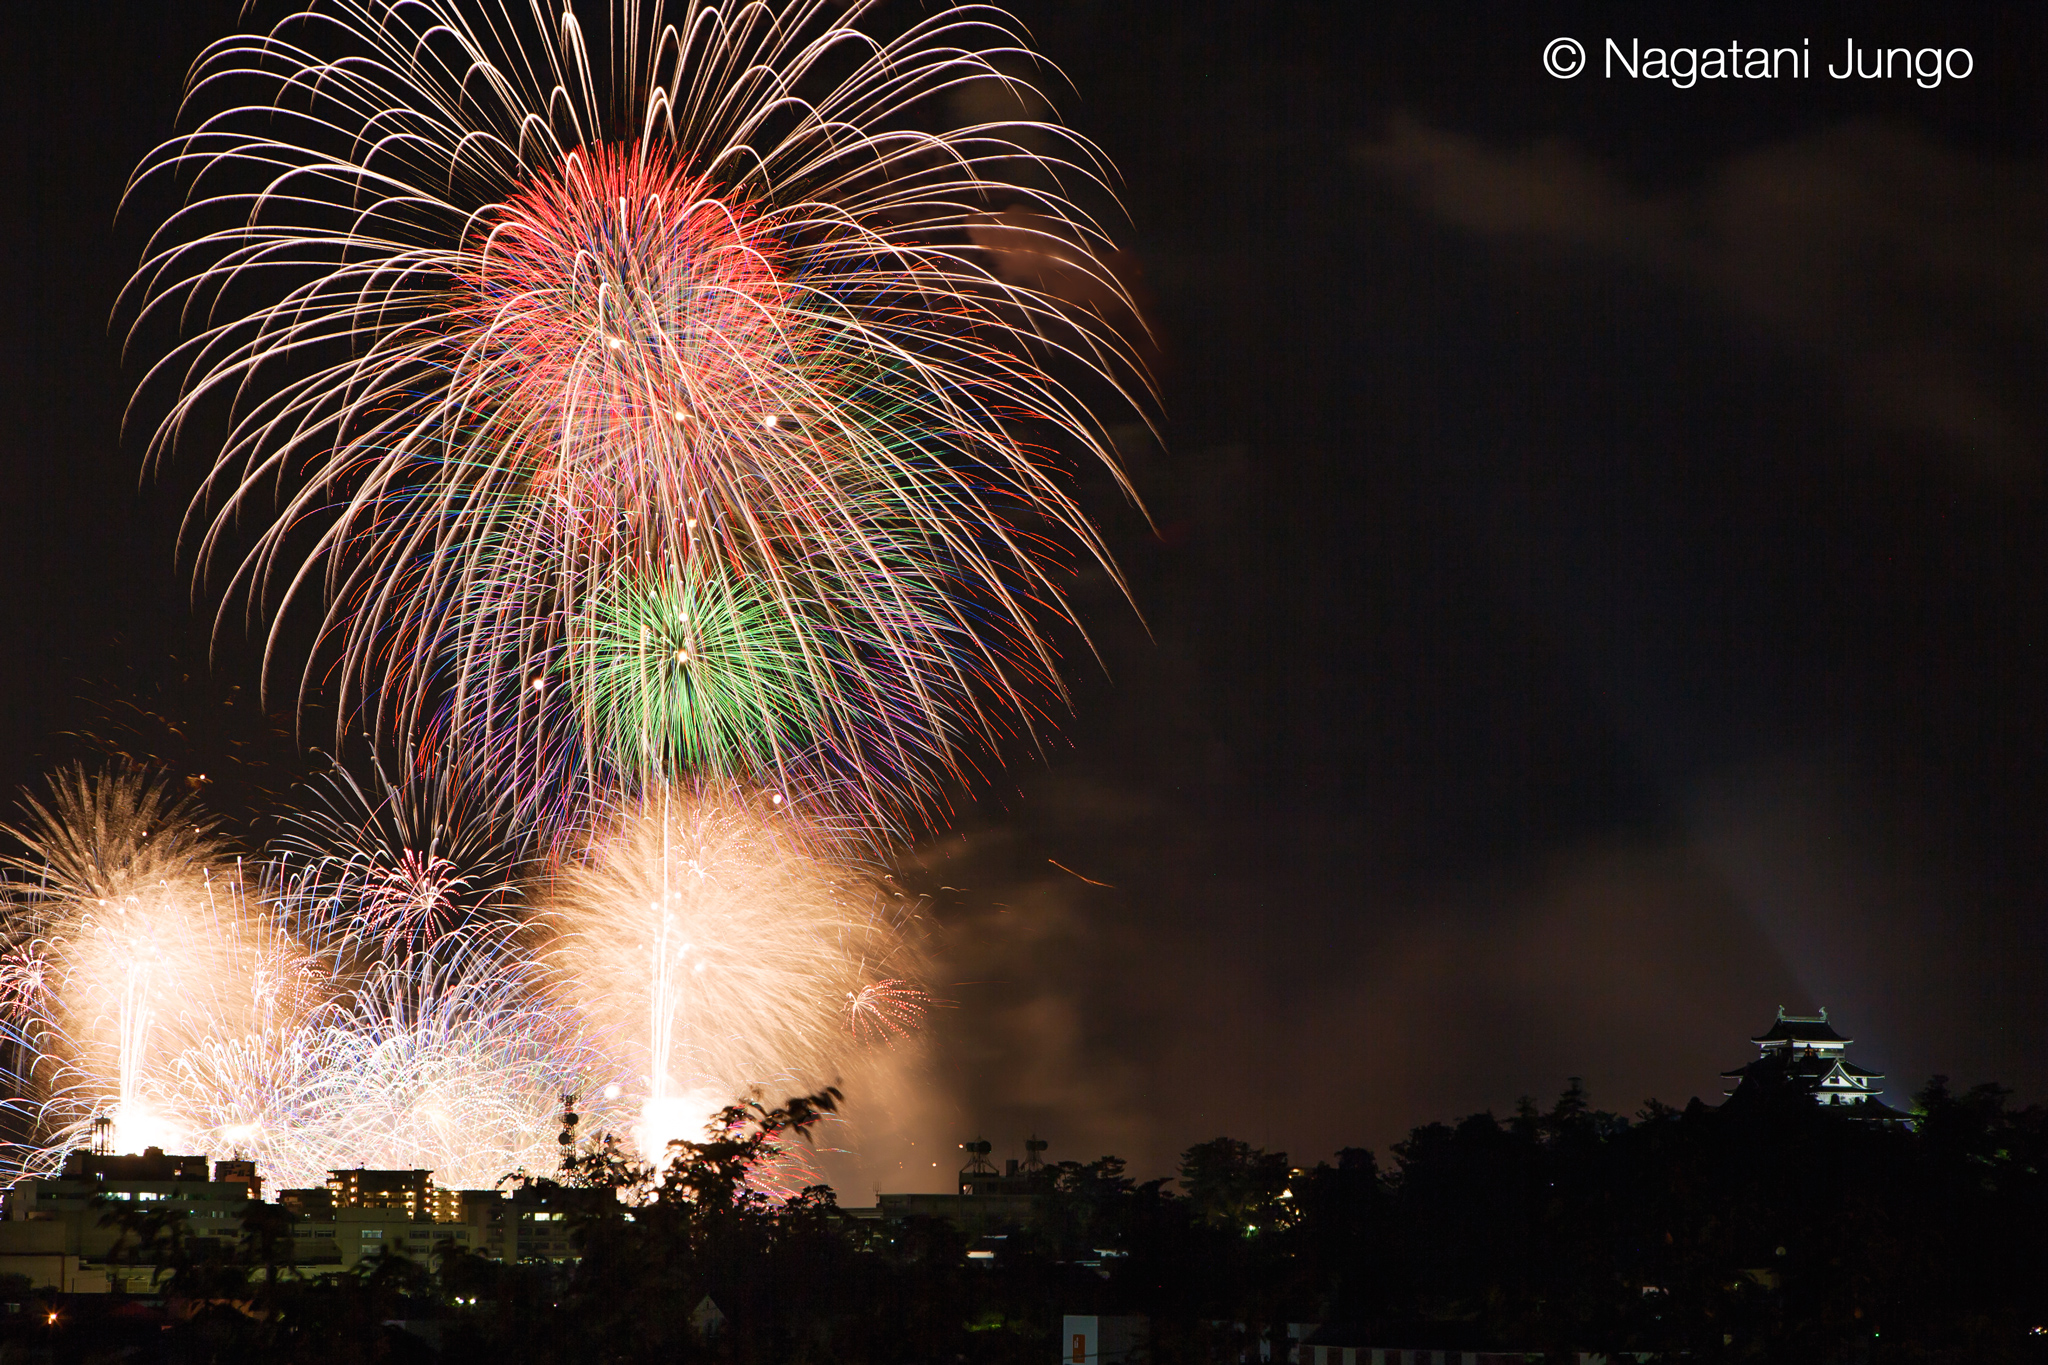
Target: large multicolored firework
[{"x": 641, "y": 403}]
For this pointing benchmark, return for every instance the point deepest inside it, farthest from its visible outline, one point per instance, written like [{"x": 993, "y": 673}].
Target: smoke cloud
[{"x": 1916, "y": 272}]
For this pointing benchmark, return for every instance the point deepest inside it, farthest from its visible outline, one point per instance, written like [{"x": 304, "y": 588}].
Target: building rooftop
[{"x": 150, "y": 1164}]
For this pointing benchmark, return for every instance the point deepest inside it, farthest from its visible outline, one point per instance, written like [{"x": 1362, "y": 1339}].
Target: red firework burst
[{"x": 625, "y": 328}]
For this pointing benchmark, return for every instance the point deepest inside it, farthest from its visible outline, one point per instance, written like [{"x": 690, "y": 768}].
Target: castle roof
[
  {"x": 1805, "y": 1066},
  {"x": 1870, "y": 1107},
  {"x": 1801, "y": 1028}
]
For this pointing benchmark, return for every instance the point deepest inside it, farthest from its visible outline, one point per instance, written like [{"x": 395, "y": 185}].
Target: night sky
[{"x": 1597, "y": 595}]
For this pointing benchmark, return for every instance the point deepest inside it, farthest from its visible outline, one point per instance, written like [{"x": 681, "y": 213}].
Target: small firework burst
[
  {"x": 692, "y": 673},
  {"x": 886, "y": 1011},
  {"x": 403, "y": 862}
]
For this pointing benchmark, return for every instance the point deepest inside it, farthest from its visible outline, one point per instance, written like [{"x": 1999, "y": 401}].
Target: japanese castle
[{"x": 1806, "y": 1052}]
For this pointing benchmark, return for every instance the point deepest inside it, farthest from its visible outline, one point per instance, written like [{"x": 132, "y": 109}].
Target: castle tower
[{"x": 1805, "y": 1051}]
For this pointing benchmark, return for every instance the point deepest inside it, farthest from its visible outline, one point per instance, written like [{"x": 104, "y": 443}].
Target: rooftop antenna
[
  {"x": 567, "y": 1137},
  {"x": 103, "y": 1134},
  {"x": 1034, "y": 1148},
  {"x": 977, "y": 1157}
]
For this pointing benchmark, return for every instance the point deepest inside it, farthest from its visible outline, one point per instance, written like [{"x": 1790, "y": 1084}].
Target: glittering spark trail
[
  {"x": 643, "y": 394},
  {"x": 714, "y": 945}
]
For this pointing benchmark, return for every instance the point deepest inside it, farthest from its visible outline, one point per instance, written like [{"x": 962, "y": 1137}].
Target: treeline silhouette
[{"x": 1764, "y": 1229}]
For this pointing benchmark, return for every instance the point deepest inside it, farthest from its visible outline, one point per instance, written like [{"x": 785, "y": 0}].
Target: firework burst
[
  {"x": 138, "y": 962},
  {"x": 653, "y": 407},
  {"x": 713, "y": 946},
  {"x": 449, "y": 1060}
]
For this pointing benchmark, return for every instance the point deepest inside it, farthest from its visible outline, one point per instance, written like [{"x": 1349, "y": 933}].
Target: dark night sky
[{"x": 1598, "y": 598}]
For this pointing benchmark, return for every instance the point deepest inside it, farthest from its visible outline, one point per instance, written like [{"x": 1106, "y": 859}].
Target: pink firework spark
[
  {"x": 411, "y": 897},
  {"x": 886, "y": 1011},
  {"x": 24, "y": 983}
]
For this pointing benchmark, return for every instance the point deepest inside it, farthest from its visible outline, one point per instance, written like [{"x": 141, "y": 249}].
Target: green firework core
[{"x": 700, "y": 672}]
